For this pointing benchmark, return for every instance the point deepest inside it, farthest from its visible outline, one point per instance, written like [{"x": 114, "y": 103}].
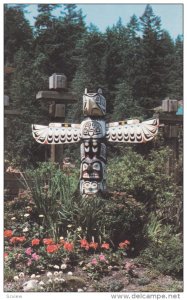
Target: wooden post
[
  {"x": 171, "y": 123},
  {"x": 57, "y": 97}
]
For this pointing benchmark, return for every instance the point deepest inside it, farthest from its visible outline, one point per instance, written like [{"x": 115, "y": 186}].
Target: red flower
[
  {"x": 8, "y": 233},
  {"x": 93, "y": 245},
  {"x": 5, "y": 254},
  {"x": 35, "y": 242},
  {"x": 105, "y": 246},
  {"x": 21, "y": 239},
  {"x": 84, "y": 244},
  {"x": 68, "y": 246},
  {"x": 52, "y": 248},
  {"x": 124, "y": 244},
  {"x": 48, "y": 241},
  {"x": 17, "y": 239},
  {"x": 13, "y": 239}
]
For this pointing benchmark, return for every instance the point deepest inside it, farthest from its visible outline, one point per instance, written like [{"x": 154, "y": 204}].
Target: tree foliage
[{"x": 136, "y": 65}]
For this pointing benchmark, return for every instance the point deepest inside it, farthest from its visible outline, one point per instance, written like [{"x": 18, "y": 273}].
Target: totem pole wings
[
  {"x": 56, "y": 133},
  {"x": 132, "y": 131},
  {"x": 64, "y": 133}
]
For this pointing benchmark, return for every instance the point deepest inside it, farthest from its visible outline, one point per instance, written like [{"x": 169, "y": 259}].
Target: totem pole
[{"x": 93, "y": 133}]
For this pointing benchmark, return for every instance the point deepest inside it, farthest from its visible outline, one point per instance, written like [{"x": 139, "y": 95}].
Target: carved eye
[
  {"x": 94, "y": 185},
  {"x": 87, "y": 185},
  {"x": 96, "y": 166},
  {"x": 84, "y": 167},
  {"x": 98, "y": 99}
]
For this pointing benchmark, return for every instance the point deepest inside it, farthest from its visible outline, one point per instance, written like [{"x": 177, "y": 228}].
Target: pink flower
[
  {"x": 35, "y": 256},
  {"x": 28, "y": 251},
  {"x": 102, "y": 257},
  {"x": 29, "y": 262},
  {"x": 94, "y": 261}
]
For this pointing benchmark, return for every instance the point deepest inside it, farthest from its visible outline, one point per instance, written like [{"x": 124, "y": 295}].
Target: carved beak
[{"x": 92, "y": 109}]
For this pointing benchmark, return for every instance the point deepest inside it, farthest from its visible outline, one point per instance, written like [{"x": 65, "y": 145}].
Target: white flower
[
  {"x": 38, "y": 276},
  {"x": 56, "y": 280},
  {"x": 26, "y": 215},
  {"x": 55, "y": 273},
  {"x": 30, "y": 285},
  {"x": 80, "y": 290},
  {"x": 33, "y": 276},
  {"x": 49, "y": 274},
  {"x": 63, "y": 266},
  {"x": 41, "y": 283},
  {"x": 61, "y": 280},
  {"x": 41, "y": 216},
  {"x": 79, "y": 229},
  {"x": 13, "y": 218},
  {"x": 49, "y": 281},
  {"x": 70, "y": 225},
  {"x": 109, "y": 268},
  {"x": 70, "y": 273},
  {"x": 16, "y": 278},
  {"x": 60, "y": 273},
  {"x": 21, "y": 275},
  {"x": 56, "y": 267},
  {"x": 25, "y": 229},
  {"x": 61, "y": 238},
  {"x": 41, "y": 288}
]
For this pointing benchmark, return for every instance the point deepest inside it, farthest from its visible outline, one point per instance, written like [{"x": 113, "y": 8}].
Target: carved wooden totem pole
[{"x": 93, "y": 133}]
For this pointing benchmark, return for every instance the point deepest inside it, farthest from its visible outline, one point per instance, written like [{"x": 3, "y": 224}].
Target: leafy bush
[
  {"x": 164, "y": 250},
  {"x": 147, "y": 180},
  {"x": 52, "y": 192}
]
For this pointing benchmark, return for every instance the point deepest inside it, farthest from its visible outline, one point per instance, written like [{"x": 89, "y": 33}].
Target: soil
[{"x": 137, "y": 279}]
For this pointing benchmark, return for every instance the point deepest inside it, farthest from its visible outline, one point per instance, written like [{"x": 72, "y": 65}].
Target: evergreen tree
[
  {"x": 176, "y": 84},
  {"x": 166, "y": 64},
  {"x": 27, "y": 80},
  {"x": 125, "y": 107},
  {"x": 17, "y": 34},
  {"x": 57, "y": 42},
  {"x": 148, "y": 85},
  {"x": 44, "y": 20},
  {"x": 133, "y": 55}
]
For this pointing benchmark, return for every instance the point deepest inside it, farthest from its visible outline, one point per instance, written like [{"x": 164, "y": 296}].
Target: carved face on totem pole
[
  {"x": 93, "y": 133},
  {"x": 93, "y": 148}
]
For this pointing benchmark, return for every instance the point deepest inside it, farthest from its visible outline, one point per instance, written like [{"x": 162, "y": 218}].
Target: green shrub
[
  {"x": 52, "y": 192},
  {"x": 147, "y": 180},
  {"x": 165, "y": 249}
]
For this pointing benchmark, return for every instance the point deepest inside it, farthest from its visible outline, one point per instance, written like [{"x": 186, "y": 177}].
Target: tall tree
[
  {"x": 176, "y": 85},
  {"x": 58, "y": 39},
  {"x": 149, "y": 80},
  {"x": 26, "y": 81},
  {"x": 44, "y": 20},
  {"x": 18, "y": 33}
]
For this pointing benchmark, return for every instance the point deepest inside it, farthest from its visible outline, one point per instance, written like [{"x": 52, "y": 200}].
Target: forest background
[{"x": 137, "y": 66}]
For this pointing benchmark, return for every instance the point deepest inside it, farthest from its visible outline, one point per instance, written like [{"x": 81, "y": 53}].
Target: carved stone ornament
[{"x": 93, "y": 133}]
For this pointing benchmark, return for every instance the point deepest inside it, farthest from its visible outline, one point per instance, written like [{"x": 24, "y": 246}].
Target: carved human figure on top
[{"x": 93, "y": 134}]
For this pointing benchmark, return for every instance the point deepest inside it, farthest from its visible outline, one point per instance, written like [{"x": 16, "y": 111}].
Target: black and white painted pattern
[
  {"x": 56, "y": 133},
  {"x": 132, "y": 133}
]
